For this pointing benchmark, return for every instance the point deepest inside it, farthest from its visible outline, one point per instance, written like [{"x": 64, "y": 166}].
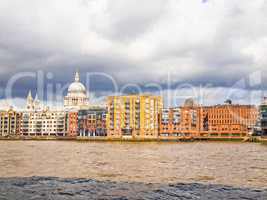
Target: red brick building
[
  {"x": 191, "y": 120},
  {"x": 180, "y": 121},
  {"x": 228, "y": 120},
  {"x": 71, "y": 124},
  {"x": 92, "y": 122}
]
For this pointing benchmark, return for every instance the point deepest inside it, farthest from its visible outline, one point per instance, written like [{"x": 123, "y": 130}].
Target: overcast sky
[{"x": 213, "y": 42}]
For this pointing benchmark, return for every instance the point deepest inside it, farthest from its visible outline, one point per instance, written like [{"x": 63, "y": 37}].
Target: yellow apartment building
[
  {"x": 9, "y": 123},
  {"x": 133, "y": 116}
]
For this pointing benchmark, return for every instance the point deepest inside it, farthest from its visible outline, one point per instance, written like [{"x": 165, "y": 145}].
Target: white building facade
[
  {"x": 43, "y": 123},
  {"x": 39, "y": 121}
]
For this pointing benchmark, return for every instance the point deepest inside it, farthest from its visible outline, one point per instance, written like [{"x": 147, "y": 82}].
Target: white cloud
[
  {"x": 217, "y": 42},
  {"x": 16, "y": 103}
]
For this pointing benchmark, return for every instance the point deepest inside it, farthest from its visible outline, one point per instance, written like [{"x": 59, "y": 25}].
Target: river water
[{"x": 239, "y": 165}]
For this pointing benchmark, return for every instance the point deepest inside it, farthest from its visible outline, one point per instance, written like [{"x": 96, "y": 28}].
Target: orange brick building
[
  {"x": 228, "y": 120},
  {"x": 180, "y": 121},
  {"x": 191, "y": 120}
]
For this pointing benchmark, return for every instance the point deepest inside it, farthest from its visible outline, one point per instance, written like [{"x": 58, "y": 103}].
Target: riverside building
[
  {"x": 219, "y": 121},
  {"x": 228, "y": 120},
  {"x": 263, "y": 117},
  {"x": 43, "y": 123},
  {"x": 71, "y": 123},
  {"x": 92, "y": 122},
  {"x": 39, "y": 121},
  {"x": 133, "y": 116},
  {"x": 9, "y": 123},
  {"x": 180, "y": 121}
]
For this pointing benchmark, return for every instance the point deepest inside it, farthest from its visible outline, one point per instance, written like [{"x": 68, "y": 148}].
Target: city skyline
[{"x": 134, "y": 116}]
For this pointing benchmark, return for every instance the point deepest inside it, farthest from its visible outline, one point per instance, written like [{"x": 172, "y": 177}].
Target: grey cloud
[
  {"x": 124, "y": 20},
  {"x": 218, "y": 42}
]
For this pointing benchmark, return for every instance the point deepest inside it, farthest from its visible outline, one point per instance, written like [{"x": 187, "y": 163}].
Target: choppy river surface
[{"x": 123, "y": 170}]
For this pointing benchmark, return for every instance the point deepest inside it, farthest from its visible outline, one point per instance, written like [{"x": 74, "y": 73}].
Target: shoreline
[{"x": 106, "y": 139}]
